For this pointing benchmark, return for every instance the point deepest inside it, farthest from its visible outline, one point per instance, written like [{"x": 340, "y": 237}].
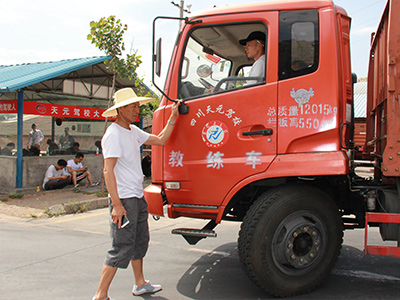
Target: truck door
[
  {"x": 229, "y": 133},
  {"x": 308, "y": 84}
]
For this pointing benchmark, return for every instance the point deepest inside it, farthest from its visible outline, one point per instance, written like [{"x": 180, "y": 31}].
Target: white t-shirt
[
  {"x": 73, "y": 165},
  {"x": 257, "y": 69},
  {"x": 124, "y": 144},
  {"x": 52, "y": 172}
]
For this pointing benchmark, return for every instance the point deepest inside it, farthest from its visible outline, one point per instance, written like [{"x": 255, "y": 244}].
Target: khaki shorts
[{"x": 131, "y": 242}]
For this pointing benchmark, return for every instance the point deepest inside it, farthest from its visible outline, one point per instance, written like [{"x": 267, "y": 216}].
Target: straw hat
[{"x": 124, "y": 97}]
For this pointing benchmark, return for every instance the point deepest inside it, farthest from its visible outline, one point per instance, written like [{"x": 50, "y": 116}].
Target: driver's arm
[{"x": 189, "y": 89}]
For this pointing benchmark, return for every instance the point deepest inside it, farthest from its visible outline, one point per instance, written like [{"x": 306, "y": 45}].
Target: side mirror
[
  {"x": 354, "y": 78},
  {"x": 158, "y": 57}
]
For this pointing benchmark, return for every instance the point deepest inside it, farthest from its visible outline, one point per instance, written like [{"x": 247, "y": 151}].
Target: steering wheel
[
  {"x": 206, "y": 84},
  {"x": 234, "y": 79}
]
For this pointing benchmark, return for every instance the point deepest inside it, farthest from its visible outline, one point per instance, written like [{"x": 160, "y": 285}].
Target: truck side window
[
  {"x": 212, "y": 56},
  {"x": 298, "y": 43}
]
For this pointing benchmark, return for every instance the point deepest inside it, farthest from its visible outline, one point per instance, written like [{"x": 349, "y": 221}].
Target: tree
[{"x": 107, "y": 35}]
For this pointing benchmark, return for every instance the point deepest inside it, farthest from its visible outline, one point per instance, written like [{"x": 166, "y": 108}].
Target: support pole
[{"x": 20, "y": 135}]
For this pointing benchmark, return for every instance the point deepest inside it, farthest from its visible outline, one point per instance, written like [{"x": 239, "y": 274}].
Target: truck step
[
  {"x": 195, "y": 232},
  {"x": 192, "y": 235}
]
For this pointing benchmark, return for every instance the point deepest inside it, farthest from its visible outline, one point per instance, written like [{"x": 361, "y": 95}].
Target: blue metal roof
[{"x": 15, "y": 77}]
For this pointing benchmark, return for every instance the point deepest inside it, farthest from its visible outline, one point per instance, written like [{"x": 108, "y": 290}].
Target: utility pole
[{"x": 181, "y": 7}]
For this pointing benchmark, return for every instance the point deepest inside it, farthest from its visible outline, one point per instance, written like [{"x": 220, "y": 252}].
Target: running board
[{"x": 192, "y": 236}]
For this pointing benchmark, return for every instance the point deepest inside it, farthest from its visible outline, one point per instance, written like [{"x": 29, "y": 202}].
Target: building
[{"x": 53, "y": 95}]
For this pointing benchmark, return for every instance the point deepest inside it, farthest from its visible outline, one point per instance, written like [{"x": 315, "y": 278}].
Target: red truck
[{"x": 276, "y": 152}]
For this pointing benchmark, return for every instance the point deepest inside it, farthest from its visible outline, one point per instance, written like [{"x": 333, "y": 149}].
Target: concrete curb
[{"x": 78, "y": 206}]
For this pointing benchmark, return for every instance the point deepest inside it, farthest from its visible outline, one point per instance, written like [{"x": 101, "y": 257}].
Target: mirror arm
[{"x": 183, "y": 108}]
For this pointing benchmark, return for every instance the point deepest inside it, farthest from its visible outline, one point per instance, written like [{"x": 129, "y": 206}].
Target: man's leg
[
  {"x": 141, "y": 244},
  {"x": 63, "y": 183},
  {"x": 73, "y": 175},
  {"x": 141, "y": 285},
  {"x": 89, "y": 177},
  {"x": 107, "y": 276},
  {"x": 137, "y": 266},
  {"x": 56, "y": 184}
]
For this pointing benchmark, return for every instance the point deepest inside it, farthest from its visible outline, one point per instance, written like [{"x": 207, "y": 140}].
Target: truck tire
[{"x": 290, "y": 240}]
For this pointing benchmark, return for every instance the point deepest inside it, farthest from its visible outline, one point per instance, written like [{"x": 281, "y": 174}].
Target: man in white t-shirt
[
  {"x": 35, "y": 138},
  {"x": 78, "y": 171},
  {"x": 56, "y": 176},
  {"x": 123, "y": 175},
  {"x": 255, "y": 49}
]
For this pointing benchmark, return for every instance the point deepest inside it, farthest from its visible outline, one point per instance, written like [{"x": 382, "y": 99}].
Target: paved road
[{"x": 61, "y": 258}]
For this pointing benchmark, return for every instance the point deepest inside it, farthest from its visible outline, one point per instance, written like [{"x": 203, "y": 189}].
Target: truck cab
[{"x": 243, "y": 132}]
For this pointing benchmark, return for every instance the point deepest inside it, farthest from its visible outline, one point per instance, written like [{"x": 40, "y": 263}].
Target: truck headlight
[{"x": 173, "y": 185}]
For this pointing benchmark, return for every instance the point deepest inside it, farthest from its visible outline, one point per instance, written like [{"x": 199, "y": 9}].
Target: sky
[{"x": 48, "y": 30}]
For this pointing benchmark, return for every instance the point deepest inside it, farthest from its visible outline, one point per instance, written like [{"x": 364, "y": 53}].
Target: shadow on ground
[{"x": 218, "y": 275}]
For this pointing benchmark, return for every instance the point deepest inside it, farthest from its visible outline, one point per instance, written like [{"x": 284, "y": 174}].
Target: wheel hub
[
  {"x": 302, "y": 246},
  {"x": 297, "y": 243}
]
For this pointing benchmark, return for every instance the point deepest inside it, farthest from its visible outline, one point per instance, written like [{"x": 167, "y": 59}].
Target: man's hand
[
  {"x": 117, "y": 213},
  {"x": 175, "y": 112}
]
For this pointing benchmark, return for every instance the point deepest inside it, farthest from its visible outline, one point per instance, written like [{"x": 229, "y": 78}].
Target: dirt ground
[{"x": 35, "y": 204}]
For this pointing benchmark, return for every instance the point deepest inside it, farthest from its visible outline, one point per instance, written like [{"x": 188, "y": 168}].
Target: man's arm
[
  {"x": 41, "y": 136},
  {"x": 59, "y": 177},
  {"x": 162, "y": 138},
  {"x": 51, "y": 176},
  {"x": 111, "y": 183},
  {"x": 29, "y": 140},
  {"x": 70, "y": 170}
]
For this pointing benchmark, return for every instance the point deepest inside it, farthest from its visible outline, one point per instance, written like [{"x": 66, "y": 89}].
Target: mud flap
[{"x": 154, "y": 199}]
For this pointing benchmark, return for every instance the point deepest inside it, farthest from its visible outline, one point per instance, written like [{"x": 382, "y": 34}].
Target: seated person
[
  {"x": 146, "y": 165},
  {"x": 53, "y": 147},
  {"x": 255, "y": 49},
  {"x": 8, "y": 149},
  {"x": 34, "y": 150},
  {"x": 56, "y": 177},
  {"x": 74, "y": 149},
  {"x": 78, "y": 171}
]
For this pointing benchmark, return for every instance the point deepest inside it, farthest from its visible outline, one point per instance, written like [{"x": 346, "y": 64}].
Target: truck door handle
[{"x": 258, "y": 132}]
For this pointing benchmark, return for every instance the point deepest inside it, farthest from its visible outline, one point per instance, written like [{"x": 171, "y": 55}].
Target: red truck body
[
  {"x": 383, "y": 111},
  {"x": 277, "y": 151}
]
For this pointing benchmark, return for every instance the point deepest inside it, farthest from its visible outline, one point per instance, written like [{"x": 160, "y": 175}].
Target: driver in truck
[{"x": 255, "y": 49}]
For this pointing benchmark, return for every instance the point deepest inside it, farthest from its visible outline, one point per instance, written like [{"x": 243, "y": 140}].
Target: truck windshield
[{"x": 213, "y": 58}]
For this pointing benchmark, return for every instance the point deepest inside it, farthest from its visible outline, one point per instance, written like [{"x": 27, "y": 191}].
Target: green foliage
[
  {"x": 78, "y": 207},
  {"x": 107, "y": 35},
  {"x": 15, "y": 196}
]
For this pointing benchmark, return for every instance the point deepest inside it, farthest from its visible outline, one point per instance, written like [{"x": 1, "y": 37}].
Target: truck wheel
[{"x": 290, "y": 240}]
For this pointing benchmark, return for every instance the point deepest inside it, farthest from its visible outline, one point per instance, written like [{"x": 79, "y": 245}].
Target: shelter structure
[{"x": 68, "y": 93}]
